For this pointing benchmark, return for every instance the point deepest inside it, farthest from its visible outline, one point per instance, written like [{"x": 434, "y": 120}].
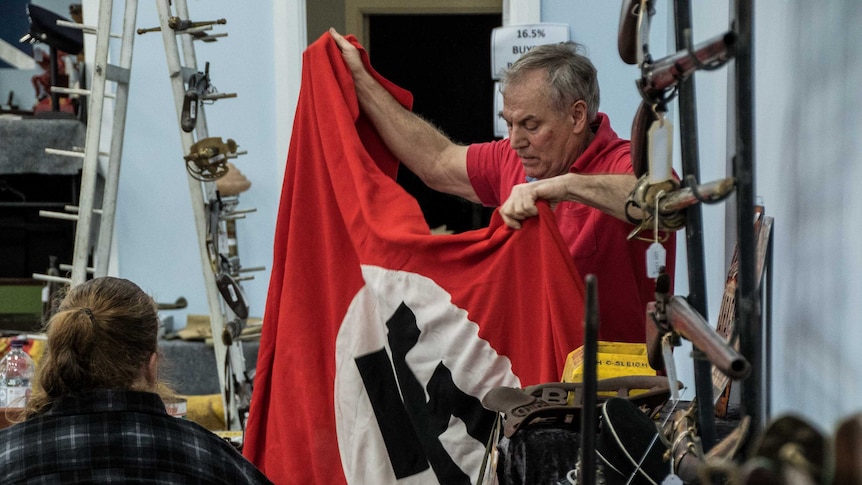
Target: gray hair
[{"x": 571, "y": 75}]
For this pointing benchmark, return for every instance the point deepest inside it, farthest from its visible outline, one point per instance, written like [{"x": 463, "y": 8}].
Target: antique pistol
[{"x": 199, "y": 84}]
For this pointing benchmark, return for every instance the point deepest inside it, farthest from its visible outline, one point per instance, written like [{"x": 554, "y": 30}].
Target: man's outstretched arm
[
  {"x": 606, "y": 192},
  {"x": 427, "y": 152}
]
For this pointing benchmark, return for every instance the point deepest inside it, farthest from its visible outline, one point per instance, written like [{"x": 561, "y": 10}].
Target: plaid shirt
[{"x": 118, "y": 436}]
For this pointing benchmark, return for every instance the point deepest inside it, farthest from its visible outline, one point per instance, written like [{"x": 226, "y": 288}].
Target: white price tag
[
  {"x": 655, "y": 259},
  {"x": 672, "y": 479},
  {"x": 660, "y": 141}
]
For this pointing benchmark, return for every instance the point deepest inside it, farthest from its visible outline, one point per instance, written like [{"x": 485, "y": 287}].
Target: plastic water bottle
[{"x": 16, "y": 376}]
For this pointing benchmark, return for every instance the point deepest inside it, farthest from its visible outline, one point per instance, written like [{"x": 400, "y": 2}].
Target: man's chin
[
  {"x": 534, "y": 174},
  {"x": 531, "y": 172}
]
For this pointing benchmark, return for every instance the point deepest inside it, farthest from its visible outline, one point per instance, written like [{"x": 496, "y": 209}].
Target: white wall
[
  {"x": 809, "y": 70},
  {"x": 259, "y": 60}
]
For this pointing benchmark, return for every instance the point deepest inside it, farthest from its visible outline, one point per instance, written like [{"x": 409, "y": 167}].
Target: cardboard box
[{"x": 614, "y": 359}]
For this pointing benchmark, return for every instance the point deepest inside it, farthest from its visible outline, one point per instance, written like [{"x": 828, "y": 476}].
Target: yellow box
[{"x": 614, "y": 359}]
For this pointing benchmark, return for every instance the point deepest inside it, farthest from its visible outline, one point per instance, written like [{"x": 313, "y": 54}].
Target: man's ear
[{"x": 578, "y": 112}]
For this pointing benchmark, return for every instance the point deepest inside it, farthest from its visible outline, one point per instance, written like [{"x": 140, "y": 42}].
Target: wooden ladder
[{"x": 206, "y": 161}]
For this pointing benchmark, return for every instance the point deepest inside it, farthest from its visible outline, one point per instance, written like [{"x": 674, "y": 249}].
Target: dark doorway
[{"x": 445, "y": 61}]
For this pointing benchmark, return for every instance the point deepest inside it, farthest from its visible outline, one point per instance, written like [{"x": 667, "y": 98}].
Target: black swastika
[{"x": 411, "y": 427}]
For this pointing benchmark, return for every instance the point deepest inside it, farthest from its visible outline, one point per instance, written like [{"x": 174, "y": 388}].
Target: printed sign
[{"x": 510, "y": 42}]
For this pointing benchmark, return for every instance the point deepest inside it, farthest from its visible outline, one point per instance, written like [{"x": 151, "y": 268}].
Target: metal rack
[
  {"x": 752, "y": 324},
  {"x": 752, "y": 321},
  {"x": 661, "y": 81}
]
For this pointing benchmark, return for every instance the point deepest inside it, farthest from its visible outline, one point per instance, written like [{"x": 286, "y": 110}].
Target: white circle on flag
[{"x": 445, "y": 336}]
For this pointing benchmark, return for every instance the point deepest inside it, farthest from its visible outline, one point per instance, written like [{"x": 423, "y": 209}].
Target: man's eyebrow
[{"x": 525, "y": 119}]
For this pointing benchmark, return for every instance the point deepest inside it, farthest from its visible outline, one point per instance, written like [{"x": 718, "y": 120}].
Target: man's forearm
[{"x": 606, "y": 192}]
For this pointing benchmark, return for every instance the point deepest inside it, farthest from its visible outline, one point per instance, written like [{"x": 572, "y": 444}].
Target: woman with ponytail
[{"x": 96, "y": 413}]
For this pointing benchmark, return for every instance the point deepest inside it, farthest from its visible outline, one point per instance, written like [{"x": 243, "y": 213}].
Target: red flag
[{"x": 379, "y": 339}]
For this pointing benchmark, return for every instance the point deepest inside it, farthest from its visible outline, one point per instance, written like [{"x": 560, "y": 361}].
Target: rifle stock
[
  {"x": 644, "y": 118},
  {"x": 628, "y": 35}
]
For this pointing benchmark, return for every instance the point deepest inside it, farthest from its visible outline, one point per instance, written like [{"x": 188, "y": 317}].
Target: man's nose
[{"x": 517, "y": 139}]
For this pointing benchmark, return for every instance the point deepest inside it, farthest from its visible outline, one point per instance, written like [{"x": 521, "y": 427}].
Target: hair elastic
[{"x": 90, "y": 314}]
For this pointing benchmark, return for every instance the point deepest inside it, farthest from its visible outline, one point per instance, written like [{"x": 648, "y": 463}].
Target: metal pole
[
  {"x": 694, "y": 228},
  {"x": 766, "y": 296},
  {"x": 747, "y": 303},
  {"x": 587, "y": 474}
]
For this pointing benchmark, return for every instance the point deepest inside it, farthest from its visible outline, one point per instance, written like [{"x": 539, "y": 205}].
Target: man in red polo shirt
[{"x": 560, "y": 149}]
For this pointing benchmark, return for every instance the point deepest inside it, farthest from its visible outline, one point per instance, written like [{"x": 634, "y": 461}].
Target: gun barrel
[
  {"x": 689, "y": 323},
  {"x": 177, "y": 23},
  {"x": 679, "y": 199},
  {"x": 665, "y": 73}
]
